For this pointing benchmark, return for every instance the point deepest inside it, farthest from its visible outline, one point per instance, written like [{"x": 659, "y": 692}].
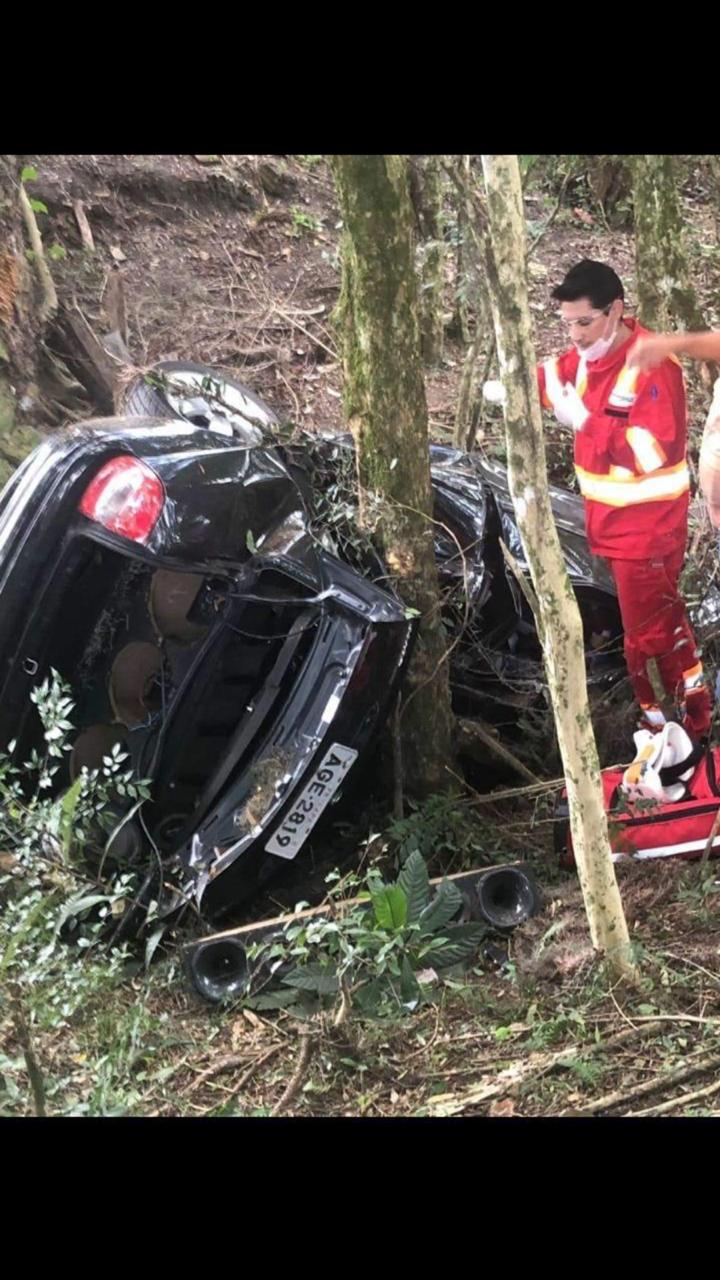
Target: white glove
[
  {"x": 570, "y": 410},
  {"x": 493, "y": 392}
]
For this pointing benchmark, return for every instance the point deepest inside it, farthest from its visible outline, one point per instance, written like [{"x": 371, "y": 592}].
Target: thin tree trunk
[
  {"x": 559, "y": 624},
  {"x": 610, "y": 183},
  {"x": 471, "y": 290},
  {"x": 466, "y": 272},
  {"x": 426, "y": 192},
  {"x": 387, "y": 412},
  {"x": 467, "y": 402}
]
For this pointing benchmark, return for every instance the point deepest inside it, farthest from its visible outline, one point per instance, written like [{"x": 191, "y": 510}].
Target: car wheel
[{"x": 202, "y": 396}]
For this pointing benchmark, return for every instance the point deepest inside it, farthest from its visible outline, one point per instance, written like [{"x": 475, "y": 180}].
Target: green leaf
[
  {"x": 273, "y": 1000},
  {"x": 68, "y": 805},
  {"x": 25, "y": 928},
  {"x": 390, "y": 905},
  {"x": 250, "y": 542},
  {"x": 29, "y": 174},
  {"x": 57, "y": 252},
  {"x": 370, "y": 996},
  {"x": 37, "y": 206},
  {"x": 446, "y": 904},
  {"x": 153, "y": 943},
  {"x": 410, "y": 992},
  {"x": 75, "y": 907},
  {"x": 415, "y": 883},
  {"x": 461, "y": 941},
  {"x": 314, "y": 977}
]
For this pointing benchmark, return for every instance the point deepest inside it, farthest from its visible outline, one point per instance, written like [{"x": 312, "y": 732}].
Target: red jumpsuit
[{"x": 632, "y": 471}]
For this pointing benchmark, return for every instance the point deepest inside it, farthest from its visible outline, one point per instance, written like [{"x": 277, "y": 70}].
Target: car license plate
[{"x": 309, "y": 805}]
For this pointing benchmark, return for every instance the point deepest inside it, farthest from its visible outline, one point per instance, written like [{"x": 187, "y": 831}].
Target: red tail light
[{"x": 126, "y": 497}]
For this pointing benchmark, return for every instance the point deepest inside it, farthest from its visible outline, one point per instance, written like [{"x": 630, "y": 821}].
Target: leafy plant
[
  {"x": 49, "y": 839},
  {"x": 304, "y": 223},
  {"x": 380, "y": 954},
  {"x": 440, "y": 829}
]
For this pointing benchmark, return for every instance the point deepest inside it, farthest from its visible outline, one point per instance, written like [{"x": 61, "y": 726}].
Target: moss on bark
[{"x": 384, "y": 396}]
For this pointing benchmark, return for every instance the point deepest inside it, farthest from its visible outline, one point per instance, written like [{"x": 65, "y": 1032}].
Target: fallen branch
[
  {"x": 681, "y": 1101},
  {"x": 621, "y": 1096},
  {"x": 298, "y": 1075},
  {"x": 511, "y": 793},
  {"x": 449, "y": 1104},
  {"x": 246, "y": 1076},
  {"x": 228, "y": 1063},
  {"x": 472, "y": 733},
  {"x": 50, "y": 298},
  {"x": 86, "y": 234},
  {"x": 97, "y": 370},
  {"x": 295, "y": 324},
  {"x": 249, "y": 253},
  {"x": 217, "y": 1068}
]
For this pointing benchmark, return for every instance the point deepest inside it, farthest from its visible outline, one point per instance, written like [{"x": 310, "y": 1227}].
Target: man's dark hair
[{"x": 593, "y": 280}]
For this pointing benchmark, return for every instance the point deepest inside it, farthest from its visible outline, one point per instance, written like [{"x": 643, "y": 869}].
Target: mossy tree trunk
[
  {"x": 18, "y": 325},
  {"x": 427, "y": 197},
  {"x": 559, "y": 623},
  {"x": 665, "y": 294},
  {"x": 384, "y": 396}
]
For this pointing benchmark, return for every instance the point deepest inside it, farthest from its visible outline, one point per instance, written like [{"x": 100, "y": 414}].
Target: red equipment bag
[{"x": 643, "y": 829}]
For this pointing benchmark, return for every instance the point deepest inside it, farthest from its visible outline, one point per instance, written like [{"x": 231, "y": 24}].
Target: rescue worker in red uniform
[{"x": 630, "y": 458}]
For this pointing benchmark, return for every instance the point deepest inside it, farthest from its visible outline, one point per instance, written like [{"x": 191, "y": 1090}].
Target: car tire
[{"x": 233, "y": 410}]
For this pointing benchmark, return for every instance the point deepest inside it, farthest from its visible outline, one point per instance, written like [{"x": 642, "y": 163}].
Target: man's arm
[{"x": 648, "y": 352}]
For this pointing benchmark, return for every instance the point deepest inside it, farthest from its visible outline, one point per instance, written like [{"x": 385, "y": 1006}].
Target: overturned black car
[{"x": 167, "y": 565}]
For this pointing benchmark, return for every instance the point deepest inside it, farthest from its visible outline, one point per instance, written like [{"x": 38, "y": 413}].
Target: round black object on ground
[
  {"x": 506, "y": 897},
  {"x": 218, "y": 969}
]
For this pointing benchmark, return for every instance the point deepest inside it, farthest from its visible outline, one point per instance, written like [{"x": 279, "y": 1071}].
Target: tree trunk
[
  {"x": 470, "y": 292},
  {"x": 426, "y": 192},
  {"x": 664, "y": 290},
  {"x": 385, "y": 403},
  {"x": 467, "y": 271},
  {"x": 559, "y": 624},
  {"x": 610, "y": 183},
  {"x": 18, "y": 340}
]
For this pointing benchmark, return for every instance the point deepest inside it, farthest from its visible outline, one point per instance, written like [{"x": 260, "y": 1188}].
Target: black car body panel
[
  {"x": 496, "y": 665},
  {"x": 245, "y": 668},
  {"x": 229, "y": 653}
]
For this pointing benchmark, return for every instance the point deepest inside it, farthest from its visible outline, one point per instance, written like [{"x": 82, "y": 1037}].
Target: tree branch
[{"x": 50, "y": 298}]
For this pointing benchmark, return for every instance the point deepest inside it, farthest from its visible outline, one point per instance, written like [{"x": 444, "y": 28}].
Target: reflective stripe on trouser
[{"x": 656, "y": 625}]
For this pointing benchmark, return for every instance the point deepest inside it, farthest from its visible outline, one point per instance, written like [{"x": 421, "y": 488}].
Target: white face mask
[{"x": 601, "y": 347}]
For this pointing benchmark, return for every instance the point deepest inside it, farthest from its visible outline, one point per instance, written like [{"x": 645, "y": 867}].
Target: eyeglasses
[{"x": 584, "y": 322}]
